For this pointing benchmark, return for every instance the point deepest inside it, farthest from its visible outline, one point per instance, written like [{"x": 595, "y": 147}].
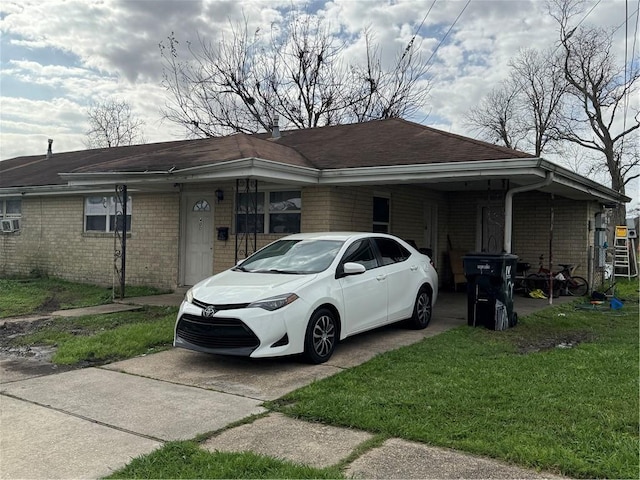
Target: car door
[
  {"x": 364, "y": 295},
  {"x": 402, "y": 278}
]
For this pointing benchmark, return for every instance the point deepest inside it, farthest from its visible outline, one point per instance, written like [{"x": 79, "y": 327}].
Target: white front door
[{"x": 198, "y": 241}]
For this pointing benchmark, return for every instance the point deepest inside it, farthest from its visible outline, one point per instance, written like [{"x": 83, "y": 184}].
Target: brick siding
[{"x": 52, "y": 240}]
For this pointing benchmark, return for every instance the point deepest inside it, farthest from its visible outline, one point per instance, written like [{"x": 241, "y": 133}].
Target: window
[
  {"x": 10, "y": 214},
  {"x": 201, "y": 206},
  {"x": 361, "y": 252},
  {"x": 380, "y": 215},
  {"x": 281, "y": 216},
  {"x": 391, "y": 251},
  {"x": 100, "y": 214}
]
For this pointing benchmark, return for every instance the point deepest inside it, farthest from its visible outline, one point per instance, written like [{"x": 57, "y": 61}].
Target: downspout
[{"x": 508, "y": 206}]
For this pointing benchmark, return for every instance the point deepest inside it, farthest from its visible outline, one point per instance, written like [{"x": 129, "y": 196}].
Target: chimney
[
  {"x": 275, "y": 132},
  {"x": 49, "y": 152}
]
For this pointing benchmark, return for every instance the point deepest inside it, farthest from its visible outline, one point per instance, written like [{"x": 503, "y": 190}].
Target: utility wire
[
  {"x": 424, "y": 19},
  {"x": 445, "y": 37}
]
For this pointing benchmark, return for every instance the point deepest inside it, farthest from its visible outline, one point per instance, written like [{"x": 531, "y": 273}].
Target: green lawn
[
  {"x": 24, "y": 296},
  {"x": 559, "y": 392},
  {"x": 188, "y": 460},
  {"x": 99, "y": 339}
]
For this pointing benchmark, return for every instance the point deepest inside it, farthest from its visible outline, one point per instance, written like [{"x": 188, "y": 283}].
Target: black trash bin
[{"x": 490, "y": 283}]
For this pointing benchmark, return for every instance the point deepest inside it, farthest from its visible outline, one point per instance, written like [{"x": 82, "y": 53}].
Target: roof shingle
[{"x": 371, "y": 144}]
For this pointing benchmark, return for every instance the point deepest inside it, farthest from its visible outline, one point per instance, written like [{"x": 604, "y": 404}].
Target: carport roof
[{"x": 382, "y": 151}]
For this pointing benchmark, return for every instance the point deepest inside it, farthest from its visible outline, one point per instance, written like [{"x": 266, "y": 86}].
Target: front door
[
  {"x": 198, "y": 240},
  {"x": 491, "y": 227},
  {"x": 431, "y": 229}
]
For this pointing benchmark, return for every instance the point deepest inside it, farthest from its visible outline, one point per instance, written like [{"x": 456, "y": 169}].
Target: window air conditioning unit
[{"x": 10, "y": 225}]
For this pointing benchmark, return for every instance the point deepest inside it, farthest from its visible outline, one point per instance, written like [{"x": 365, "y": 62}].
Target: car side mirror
[{"x": 352, "y": 268}]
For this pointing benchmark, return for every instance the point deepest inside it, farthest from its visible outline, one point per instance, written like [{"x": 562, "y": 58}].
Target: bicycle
[{"x": 563, "y": 281}]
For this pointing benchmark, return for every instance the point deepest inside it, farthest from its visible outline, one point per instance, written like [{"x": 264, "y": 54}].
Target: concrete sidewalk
[{"x": 87, "y": 423}]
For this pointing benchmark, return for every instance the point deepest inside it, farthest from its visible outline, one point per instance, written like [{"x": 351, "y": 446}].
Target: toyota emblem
[{"x": 209, "y": 312}]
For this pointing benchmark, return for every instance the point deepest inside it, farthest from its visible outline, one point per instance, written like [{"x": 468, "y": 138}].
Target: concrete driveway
[{"x": 87, "y": 423}]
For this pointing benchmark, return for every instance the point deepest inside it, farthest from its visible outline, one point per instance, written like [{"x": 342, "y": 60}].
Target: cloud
[{"x": 64, "y": 54}]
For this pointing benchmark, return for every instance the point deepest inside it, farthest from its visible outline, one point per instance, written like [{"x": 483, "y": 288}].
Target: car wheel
[
  {"x": 321, "y": 337},
  {"x": 422, "y": 310}
]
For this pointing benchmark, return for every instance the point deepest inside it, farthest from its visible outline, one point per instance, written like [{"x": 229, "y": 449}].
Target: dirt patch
[
  {"x": 51, "y": 304},
  {"x": 26, "y": 360},
  {"x": 560, "y": 340}
]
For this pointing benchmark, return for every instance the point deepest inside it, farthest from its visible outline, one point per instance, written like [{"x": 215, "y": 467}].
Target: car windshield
[{"x": 293, "y": 256}]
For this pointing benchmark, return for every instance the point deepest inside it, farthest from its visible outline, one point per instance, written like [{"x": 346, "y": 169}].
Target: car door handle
[
  {"x": 414, "y": 268},
  {"x": 380, "y": 278}
]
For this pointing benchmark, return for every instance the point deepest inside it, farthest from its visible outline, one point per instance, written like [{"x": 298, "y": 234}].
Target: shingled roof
[
  {"x": 389, "y": 142},
  {"x": 377, "y": 143}
]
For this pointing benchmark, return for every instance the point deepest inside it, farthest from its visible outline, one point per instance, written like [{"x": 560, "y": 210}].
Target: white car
[{"x": 305, "y": 292}]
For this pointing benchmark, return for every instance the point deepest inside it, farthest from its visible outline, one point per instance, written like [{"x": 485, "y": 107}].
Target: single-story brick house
[{"x": 197, "y": 206}]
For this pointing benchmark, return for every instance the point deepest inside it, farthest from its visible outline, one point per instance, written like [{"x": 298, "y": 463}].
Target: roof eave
[
  {"x": 469, "y": 171},
  {"x": 255, "y": 168}
]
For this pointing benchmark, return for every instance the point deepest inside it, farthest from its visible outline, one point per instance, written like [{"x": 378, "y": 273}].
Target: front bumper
[{"x": 253, "y": 332}]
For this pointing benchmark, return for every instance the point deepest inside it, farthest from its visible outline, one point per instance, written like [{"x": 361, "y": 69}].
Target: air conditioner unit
[{"x": 10, "y": 225}]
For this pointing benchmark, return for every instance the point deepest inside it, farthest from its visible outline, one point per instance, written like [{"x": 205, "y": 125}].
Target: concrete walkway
[{"x": 87, "y": 423}]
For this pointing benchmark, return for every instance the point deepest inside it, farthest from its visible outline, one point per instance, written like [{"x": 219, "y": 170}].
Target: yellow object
[{"x": 621, "y": 231}]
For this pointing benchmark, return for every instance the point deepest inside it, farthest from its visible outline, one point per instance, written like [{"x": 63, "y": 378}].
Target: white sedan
[{"x": 305, "y": 292}]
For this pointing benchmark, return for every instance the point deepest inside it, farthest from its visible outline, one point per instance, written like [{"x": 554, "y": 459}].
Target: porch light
[{"x": 219, "y": 195}]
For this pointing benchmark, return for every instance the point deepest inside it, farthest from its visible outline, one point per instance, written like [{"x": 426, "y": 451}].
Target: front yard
[{"x": 558, "y": 393}]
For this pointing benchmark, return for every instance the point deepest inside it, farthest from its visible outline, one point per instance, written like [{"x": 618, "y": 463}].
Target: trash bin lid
[{"x": 494, "y": 264}]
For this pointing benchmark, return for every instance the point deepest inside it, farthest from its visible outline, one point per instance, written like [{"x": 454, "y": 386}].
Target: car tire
[
  {"x": 321, "y": 336},
  {"x": 422, "y": 310}
]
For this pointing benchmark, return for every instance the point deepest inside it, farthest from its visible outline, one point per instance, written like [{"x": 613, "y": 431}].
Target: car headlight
[
  {"x": 274, "y": 303},
  {"x": 188, "y": 297}
]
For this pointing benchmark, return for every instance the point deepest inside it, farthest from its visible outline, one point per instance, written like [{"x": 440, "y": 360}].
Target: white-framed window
[
  {"x": 10, "y": 215},
  {"x": 282, "y": 214},
  {"x": 381, "y": 214},
  {"x": 100, "y": 214}
]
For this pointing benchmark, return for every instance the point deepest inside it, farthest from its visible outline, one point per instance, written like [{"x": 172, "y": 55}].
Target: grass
[
  {"x": 98, "y": 339},
  {"x": 558, "y": 393},
  {"x": 187, "y": 460},
  {"x": 513, "y": 395},
  {"x": 25, "y": 296}
]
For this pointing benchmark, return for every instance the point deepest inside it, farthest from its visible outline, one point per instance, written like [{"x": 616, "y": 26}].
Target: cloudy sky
[{"x": 57, "y": 56}]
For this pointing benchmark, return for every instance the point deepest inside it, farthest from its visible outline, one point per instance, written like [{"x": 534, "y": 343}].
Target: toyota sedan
[{"x": 305, "y": 292}]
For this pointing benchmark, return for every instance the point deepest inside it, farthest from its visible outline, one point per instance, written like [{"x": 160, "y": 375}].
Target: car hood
[{"x": 234, "y": 286}]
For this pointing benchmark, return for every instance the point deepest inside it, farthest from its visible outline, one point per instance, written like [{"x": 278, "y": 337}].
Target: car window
[
  {"x": 391, "y": 251},
  {"x": 361, "y": 252},
  {"x": 293, "y": 256}
]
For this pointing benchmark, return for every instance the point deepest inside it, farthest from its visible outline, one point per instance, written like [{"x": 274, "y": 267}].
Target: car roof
[{"x": 335, "y": 236}]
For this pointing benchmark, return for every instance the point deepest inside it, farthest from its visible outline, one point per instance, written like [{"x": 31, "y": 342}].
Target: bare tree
[
  {"x": 299, "y": 73},
  {"x": 600, "y": 118},
  {"x": 112, "y": 124},
  {"x": 396, "y": 93},
  {"x": 498, "y": 118},
  {"x": 524, "y": 111},
  {"x": 542, "y": 87}
]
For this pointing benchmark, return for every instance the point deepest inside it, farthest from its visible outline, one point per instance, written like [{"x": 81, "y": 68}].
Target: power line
[
  {"x": 445, "y": 37},
  {"x": 588, "y": 13},
  {"x": 424, "y": 19}
]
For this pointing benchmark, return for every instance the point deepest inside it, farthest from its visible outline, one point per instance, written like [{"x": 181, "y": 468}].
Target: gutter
[
  {"x": 508, "y": 206},
  {"x": 246, "y": 167}
]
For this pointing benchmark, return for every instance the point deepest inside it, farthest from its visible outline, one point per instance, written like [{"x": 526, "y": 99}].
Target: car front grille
[
  {"x": 216, "y": 332},
  {"x": 230, "y": 306}
]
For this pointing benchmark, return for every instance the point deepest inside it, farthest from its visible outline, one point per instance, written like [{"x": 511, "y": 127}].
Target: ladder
[{"x": 623, "y": 260}]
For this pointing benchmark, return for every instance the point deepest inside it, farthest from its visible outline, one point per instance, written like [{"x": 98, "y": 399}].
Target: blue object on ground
[{"x": 615, "y": 304}]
